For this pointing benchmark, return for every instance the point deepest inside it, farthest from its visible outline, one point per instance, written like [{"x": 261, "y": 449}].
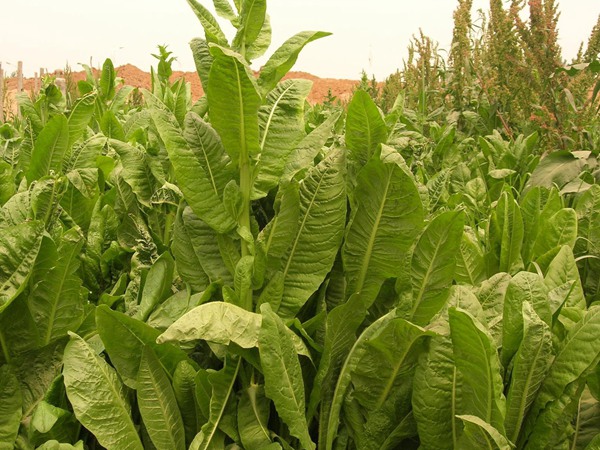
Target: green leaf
[
  {"x": 283, "y": 375},
  {"x": 233, "y": 103},
  {"x": 125, "y": 337},
  {"x": 531, "y": 364},
  {"x": 491, "y": 295},
  {"x": 433, "y": 264},
  {"x": 319, "y": 235},
  {"x": 329, "y": 430},
  {"x": 55, "y": 301},
  {"x": 382, "y": 382},
  {"x": 81, "y": 195},
  {"x": 158, "y": 405},
  {"x": 184, "y": 388},
  {"x": 575, "y": 357},
  {"x": 558, "y": 168},
  {"x": 365, "y": 128},
  {"x": 218, "y": 322},
  {"x": 524, "y": 287},
  {"x": 436, "y": 396},
  {"x": 202, "y": 59},
  {"x": 281, "y": 123},
  {"x": 385, "y": 221},
  {"x": 505, "y": 236},
  {"x": 252, "y": 18},
  {"x": 191, "y": 175},
  {"x": 563, "y": 276},
  {"x": 98, "y": 398},
  {"x": 187, "y": 260},
  {"x": 224, "y": 9},
  {"x": 284, "y": 58},
  {"x": 50, "y": 150},
  {"x": 558, "y": 230},
  {"x": 470, "y": 264},
  {"x": 206, "y": 245},
  {"x": 476, "y": 358},
  {"x": 222, "y": 384},
  {"x": 136, "y": 172},
  {"x": 482, "y": 435},
  {"x": 11, "y": 407},
  {"x": 107, "y": 80},
  {"x": 212, "y": 30},
  {"x": 208, "y": 150},
  {"x": 262, "y": 42},
  {"x": 80, "y": 117},
  {"x": 157, "y": 287},
  {"x": 19, "y": 246},
  {"x": 253, "y": 417}
]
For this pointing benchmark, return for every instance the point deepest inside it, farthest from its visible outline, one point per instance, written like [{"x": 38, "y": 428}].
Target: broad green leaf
[
  {"x": 319, "y": 234},
  {"x": 281, "y": 123},
  {"x": 212, "y": 30},
  {"x": 531, "y": 364},
  {"x": 7, "y": 183},
  {"x": 251, "y": 21},
  {"x": 476, "y": 358},
  {"x": 158, "y": 285},
  {"x": 187, "y": 262},
  {"x": 537, "y": 206},
  {"x": 575, "y": 357},
  {"x": 55, "y": 301},
  {"x": 184, "y": 387},
  {"x": 81, "y": 195},
  {"x": 303, "y": 156},
  {"x": 55, "y": 445},
  {"x": 340, "y": 334},
  {"x": 80, "y": 117},
  {"x": 205, "y": 243},
  {"x": 563, "y": 276},
  {"x": 284, "y": 58},
  {"x": 158, "y": 405},
  {"x": 329, "y": 430},
  {"x": 222, "y": 384},
  {"x": 224, "y": 9},
  {"x": 382, "y": 381},
  {"x": 385, "y": 221},
  {"x": 233, "y": 104},
  {"x": 470, "y": 264},
  {"x": 505, "y": 236},
  {"x": 202, "y": 59},
  {"x": 191, "y": 175},
  {"x": 19, "y": 246},
  {"x": 587, "y": 421},
  {"x": 11, "y": 407},
  {"x": 558, "y": 230},
  {"x": 262, "y": 42},
  {"x": 433, "y": 264},
  {"x": 50, "y": 150},
  {"x": 36, "y": 371},
  {"x": 111, "y": 127},
  {"x": 491, "y": 295},
  {"x": 588, "y": 214},
  {"x": 524, "y": 287},
  {"x": 279, "y": 233},
  {"x": 86, "y": 155},
  {"x": 436, "y": 396},
  {"x": 98, "y": 397},
  {"x": 52, "y": 422},
  {"x": 136, "y": 172},
  {"x": 283, "y": 375},
  {"x": 107, "y": 80},
  {"x": 365, "y": 128},
  {"x": 253, "y": 417},
  {"x": 558, "y": 168},
  {"x": 482, "y": 435},
  {"x": 218, "y": 322},
  {"x": 124, "y": 338},
  {"x": 208, "y": 149}
]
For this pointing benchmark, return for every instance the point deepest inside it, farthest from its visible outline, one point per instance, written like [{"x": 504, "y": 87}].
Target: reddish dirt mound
[{"x": 342, "y": 89}]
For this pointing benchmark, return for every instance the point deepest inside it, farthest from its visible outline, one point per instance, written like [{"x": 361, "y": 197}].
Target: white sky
[{"x": 367, "y": 34}]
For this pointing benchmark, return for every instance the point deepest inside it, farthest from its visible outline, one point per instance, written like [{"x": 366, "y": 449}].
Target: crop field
[{"x": 415, "y": 268}]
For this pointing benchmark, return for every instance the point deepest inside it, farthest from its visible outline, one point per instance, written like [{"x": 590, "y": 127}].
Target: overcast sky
[{"x": 367, "y": 34}]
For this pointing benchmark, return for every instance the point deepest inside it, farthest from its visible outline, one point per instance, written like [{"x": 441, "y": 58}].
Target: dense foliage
[{"x": 252, "y": 272}]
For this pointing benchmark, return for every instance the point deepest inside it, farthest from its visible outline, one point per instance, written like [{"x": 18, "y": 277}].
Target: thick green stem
[{"x": 245, "y": 188}]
